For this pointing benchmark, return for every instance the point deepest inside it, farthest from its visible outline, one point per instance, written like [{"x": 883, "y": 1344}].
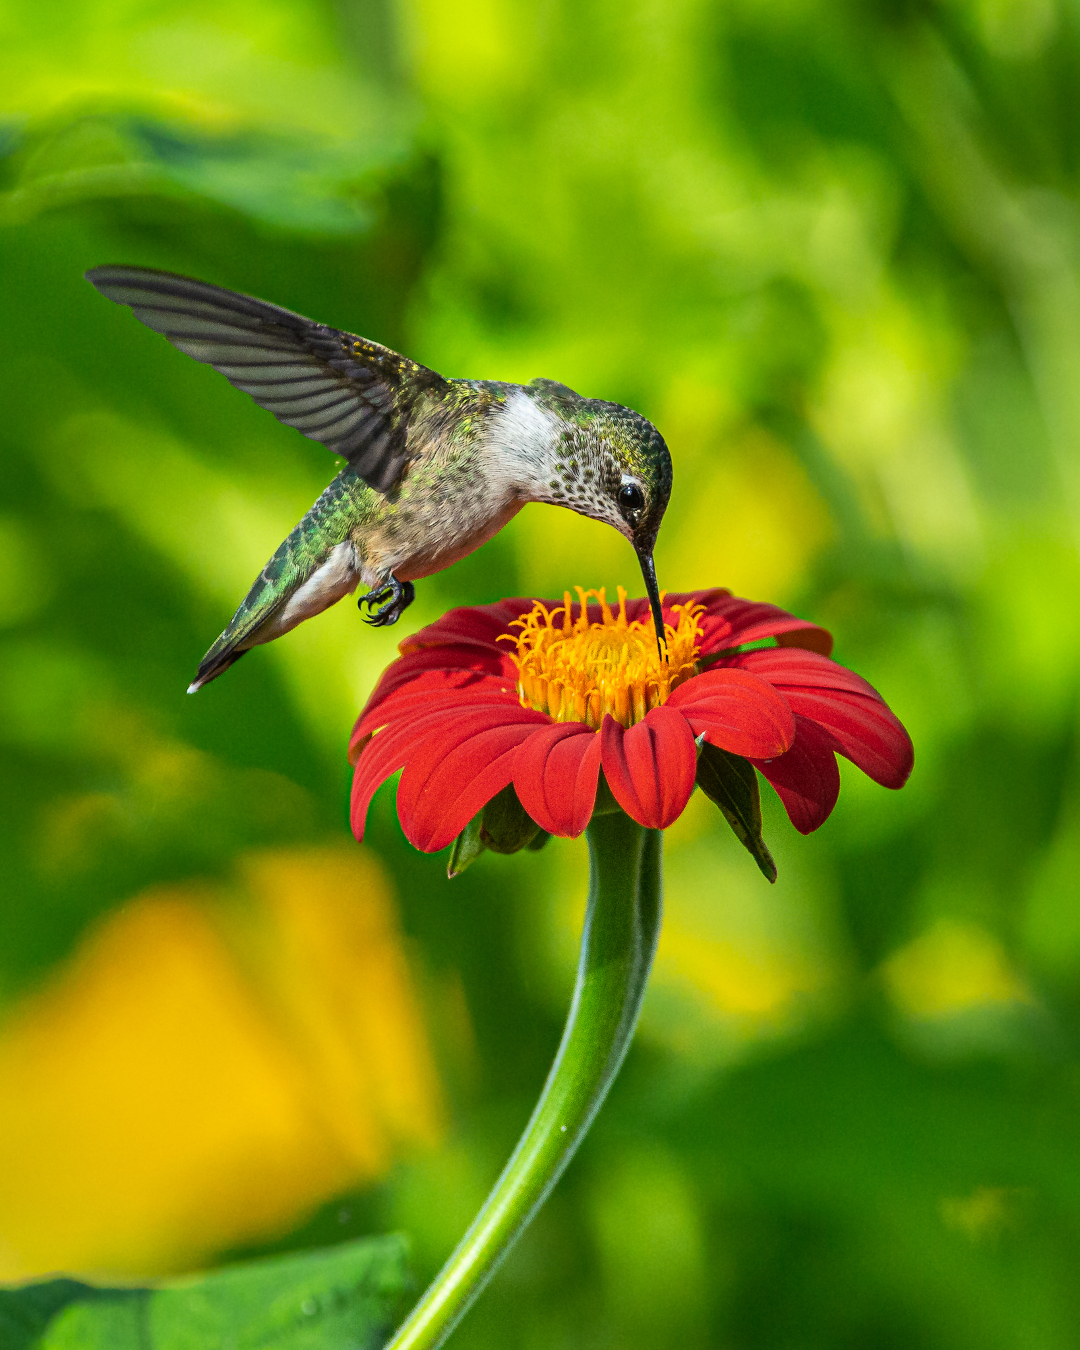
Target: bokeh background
[{"x": 833, "y": 251}]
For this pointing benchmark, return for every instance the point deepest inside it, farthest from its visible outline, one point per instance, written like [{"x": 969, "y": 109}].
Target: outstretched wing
[{"x": 352, "y": 395}]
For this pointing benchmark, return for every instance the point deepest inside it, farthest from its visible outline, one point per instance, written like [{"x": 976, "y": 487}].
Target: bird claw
[{"x": 401, "y": 593}]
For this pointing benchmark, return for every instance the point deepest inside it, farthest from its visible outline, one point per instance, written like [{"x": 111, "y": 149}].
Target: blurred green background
[{"x": 833, "y": 251}]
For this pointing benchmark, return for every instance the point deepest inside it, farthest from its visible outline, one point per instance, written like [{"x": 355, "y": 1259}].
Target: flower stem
[{"x": 622, "y": 923}]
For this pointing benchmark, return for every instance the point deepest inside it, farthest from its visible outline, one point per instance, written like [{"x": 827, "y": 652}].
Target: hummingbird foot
[{"x": 401, "y": 593}]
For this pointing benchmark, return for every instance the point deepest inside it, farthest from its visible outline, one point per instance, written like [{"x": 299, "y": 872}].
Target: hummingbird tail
[
  {"x": 311, "y": 570},
  {"x": 259, "y": 619},
  {"x": 216, "y": 661},
  {"x": 254, "y": 621}
]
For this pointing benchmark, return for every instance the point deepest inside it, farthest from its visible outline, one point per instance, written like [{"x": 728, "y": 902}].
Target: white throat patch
[{"x": 521, "y": 445}]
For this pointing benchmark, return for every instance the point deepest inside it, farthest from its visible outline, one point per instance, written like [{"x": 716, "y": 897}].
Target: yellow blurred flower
[{"x": 202, "y": 1073}]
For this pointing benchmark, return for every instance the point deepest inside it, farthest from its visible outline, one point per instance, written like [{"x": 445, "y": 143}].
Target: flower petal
[
  {"x": 788, "y": 667},
  {"x": 429, "y": 689},
  {"x": 456, "y": 771},
  {"x": 640, "y": 609},
  {"x": 736, "y": 711},
  {"x": 384, "y": 755},
  {"x": 555, "y": 776},
  {"x": 388, "y": 751},
  {"x": 806, "y": 778},
  {"x": 864, "y": 730},
  {"x": 650, "y": 768},
  {"x": 731, "y": 622},
  {"x": 463, "y": 662},
  {"x": 476, "y": 626}
]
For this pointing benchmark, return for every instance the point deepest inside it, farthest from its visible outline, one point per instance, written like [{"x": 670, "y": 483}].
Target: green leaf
[
  {"x": 731, "y": 782},
  {"x": 327, "y": 1299}
]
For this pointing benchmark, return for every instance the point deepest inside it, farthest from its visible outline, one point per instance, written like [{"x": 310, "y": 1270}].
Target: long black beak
[{"x": 648, "y": 571}]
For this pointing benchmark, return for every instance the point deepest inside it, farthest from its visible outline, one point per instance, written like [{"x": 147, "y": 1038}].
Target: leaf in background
[
  {"x": 304, "y": 184},
  {"x": 321, "y": 1300},
  {"x": 731, "y": 782}
]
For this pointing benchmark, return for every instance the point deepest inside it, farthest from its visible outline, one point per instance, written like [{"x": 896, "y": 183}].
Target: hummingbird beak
[{"x": 648, "y": 571}]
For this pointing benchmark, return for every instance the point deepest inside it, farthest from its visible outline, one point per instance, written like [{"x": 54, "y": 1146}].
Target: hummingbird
[{"x": 434, "y": 467}]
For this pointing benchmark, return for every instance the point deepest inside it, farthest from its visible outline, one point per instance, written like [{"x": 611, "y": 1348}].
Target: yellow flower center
[{"x": 576, "y": 671}]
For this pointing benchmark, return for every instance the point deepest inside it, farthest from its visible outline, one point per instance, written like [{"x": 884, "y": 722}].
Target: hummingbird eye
[{"x": 631, "y": 502}]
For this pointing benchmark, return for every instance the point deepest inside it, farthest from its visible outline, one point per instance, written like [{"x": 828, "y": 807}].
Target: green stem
[{"x": 622, "y": 923}]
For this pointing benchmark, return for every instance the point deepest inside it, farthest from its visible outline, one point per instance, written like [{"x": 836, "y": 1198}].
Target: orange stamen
[{"x": 576, "y": 671}]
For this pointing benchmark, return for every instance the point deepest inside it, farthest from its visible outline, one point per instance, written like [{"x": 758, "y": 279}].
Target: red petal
[
  {"x": 472, "y": 625},
  {"x": 650, "y": 768},
  {"x": 431, "y": 688},
  {"x": 731, "y": 622},
  {"x": 864, "y": 730},
  {"x": 457, "y": 771},
  {"x": 640, "y": 610},
  {"x": 787, "y": 667},
  {"x": 736, "y": 711},
  {"x": 806, "y": 778},
  {"x": 808, "y": 636},
  {"x": 712, "y": 599},
  {"x": 387, "y": 752},
  {"x": 555, "y": 775},
  {"x": 460, "y": 661}
]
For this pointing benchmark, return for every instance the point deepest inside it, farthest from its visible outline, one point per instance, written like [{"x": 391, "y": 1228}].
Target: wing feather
[
  {"x": 353, "y": 395},
  {"x": 304, "y": 402}
]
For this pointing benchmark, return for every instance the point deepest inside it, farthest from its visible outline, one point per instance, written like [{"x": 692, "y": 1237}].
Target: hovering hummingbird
[{"x": 434, "y": 467}]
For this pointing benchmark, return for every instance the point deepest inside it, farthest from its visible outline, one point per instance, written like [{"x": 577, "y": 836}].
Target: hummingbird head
[{"x": 611, "y": 464}]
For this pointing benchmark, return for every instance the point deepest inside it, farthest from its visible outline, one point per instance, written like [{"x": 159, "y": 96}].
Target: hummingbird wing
[{"x": 351, "y": 394}]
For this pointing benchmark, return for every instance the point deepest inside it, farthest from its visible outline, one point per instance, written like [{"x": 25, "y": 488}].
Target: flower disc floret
[{"x": 578, "y": 670}]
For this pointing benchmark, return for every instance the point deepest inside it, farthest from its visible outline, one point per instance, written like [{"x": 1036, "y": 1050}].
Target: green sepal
[
  {"x": 466, "y": 848},
  {"x": 503, "y": 826},
  {"x": 731, "y": 782},
  {"x": 605, "y": 804}
]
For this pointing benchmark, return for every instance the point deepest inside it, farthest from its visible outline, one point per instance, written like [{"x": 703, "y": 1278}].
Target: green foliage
[{"x": 318, "y": 1300}]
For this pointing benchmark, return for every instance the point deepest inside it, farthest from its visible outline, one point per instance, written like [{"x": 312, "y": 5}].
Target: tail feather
[
  {"x": 213, "y": 664},
  {"x": 311, "y": 570},
  {"x": 294, "y": 560},
  {"x": 259, "y": 606}
]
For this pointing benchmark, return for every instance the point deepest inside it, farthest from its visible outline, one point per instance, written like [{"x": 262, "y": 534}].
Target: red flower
[{"x": 524, "y": 692}]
